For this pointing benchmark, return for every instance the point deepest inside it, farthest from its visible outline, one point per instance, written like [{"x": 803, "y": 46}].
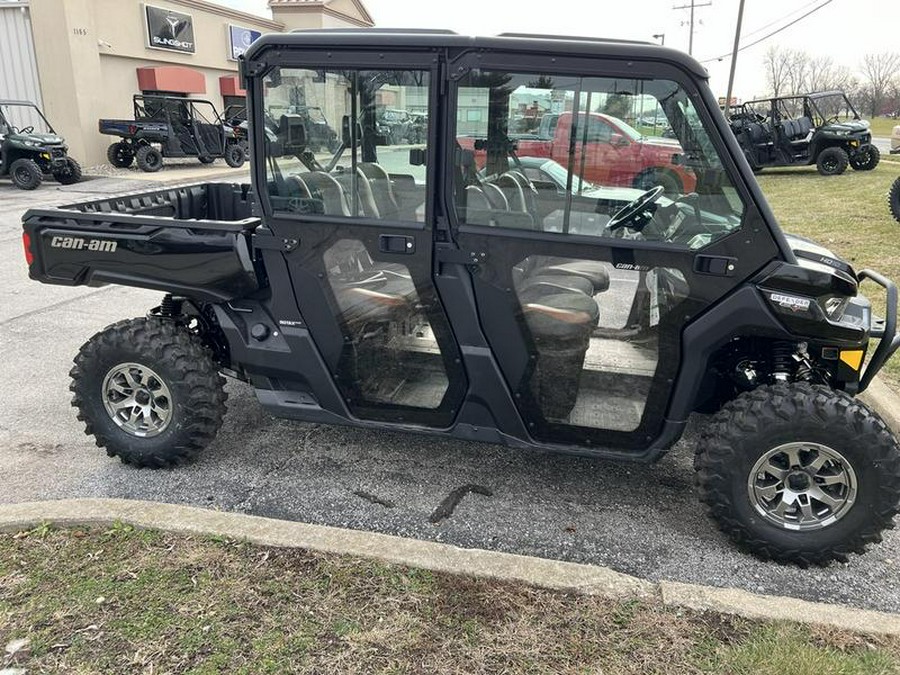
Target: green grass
[
  {"x": 849, "y": 215},
  {"x": 882, "y": 126},
  {"x": 125, "y": 601}
]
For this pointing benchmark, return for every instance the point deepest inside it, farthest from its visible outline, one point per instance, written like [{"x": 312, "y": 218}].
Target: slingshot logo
[
  {"x": 82, "y": 244},
  {"x": 170, "y": 30}
]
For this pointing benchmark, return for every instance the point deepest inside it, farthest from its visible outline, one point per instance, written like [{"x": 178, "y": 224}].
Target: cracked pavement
[{"x": 642, "y": 520}]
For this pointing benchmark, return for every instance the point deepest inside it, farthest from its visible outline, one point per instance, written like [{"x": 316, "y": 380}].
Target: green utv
[
  {"x": 821, "y": 128},
  {"x": 31, "y": 149}
]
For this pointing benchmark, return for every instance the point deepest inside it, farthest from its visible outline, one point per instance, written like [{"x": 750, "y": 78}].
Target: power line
[
  {"x": 692, "y": 7},
  {"x": 779, "y": 19},
  {"x": 774, "y": 32}
]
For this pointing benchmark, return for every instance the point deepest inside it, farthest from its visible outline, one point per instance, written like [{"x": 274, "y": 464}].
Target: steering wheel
[
  {"x": 634, "y": 208},
  {"x": 26, "y": 130}
]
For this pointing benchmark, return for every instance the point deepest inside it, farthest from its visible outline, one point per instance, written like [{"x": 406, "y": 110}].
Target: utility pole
[
  {"x": 734, "y": 53},
  {"x": 691, "y": 7}
]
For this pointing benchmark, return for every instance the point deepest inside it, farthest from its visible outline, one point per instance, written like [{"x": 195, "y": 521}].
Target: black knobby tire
[
  {"x": 69, "y": 175},
  {"x": 149, "y": 159},
  {"x": 234, "y": 156},
  {"x": 832, "y": 161},
  {"x": 894, "y": 199},
  {"x": 244, "y": 145},
  {"x": 865, "y": 158},
  {"x": 756, "y": 422},
  {"x": 183, "y": 365},
  {"x": 207, "y": 160},
  {"x": 26, "y": 174},
  {"x": 120, "y": 155}
]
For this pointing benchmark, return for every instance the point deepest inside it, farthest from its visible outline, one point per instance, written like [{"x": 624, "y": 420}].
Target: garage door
[{"x": 18, "y": 68}]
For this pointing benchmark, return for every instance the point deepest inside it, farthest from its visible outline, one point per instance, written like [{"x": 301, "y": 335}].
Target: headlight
[
  {"x": 32, "y": 144},
  {"x": 835, "y": 306}
]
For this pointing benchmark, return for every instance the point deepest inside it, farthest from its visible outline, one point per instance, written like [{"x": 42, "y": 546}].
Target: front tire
[
  {"x": 799, "y": 473},
  {"x": 149, "y": 392},
  {"x": 26, "y": 174},
  {"x": 832, "y": 161},
  {"x": 234, "y": 156},
  {"x": 70, "y": 175},
  {"x": 894, "y": 199},
  {"x": 866, "y": 158}
]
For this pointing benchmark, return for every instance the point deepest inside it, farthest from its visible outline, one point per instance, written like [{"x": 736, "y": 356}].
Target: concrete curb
[
  {"x": 552, "y": 574},
  {"x": 885, "y": 402}
]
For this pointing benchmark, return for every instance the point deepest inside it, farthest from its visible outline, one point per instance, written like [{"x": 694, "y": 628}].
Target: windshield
[
  {"x": 22, "y": 116},
  {"x": 833, "y": 107}
]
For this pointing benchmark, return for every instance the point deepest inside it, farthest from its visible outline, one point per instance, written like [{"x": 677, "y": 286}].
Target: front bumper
[{"x": 884, "y": 330}]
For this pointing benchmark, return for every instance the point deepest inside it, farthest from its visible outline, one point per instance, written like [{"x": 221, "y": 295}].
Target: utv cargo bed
[{"x": 193, "y": 240}]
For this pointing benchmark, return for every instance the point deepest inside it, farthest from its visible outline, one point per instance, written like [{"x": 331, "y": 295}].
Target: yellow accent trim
[{"x": 852, "y": 358}]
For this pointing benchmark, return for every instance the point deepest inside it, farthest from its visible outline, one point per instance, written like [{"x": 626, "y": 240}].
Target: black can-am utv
[
  {"x": 31, "y": 149},
  {"x": 171, "y": 126},
  {"x": 454, "y": 291},
  {"x": 821, "y": 128}
]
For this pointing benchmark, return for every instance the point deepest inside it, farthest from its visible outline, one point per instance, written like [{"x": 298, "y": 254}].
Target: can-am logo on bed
[
  {"x": 83, "y": 244},
  {"x": 169, "y": 30}
]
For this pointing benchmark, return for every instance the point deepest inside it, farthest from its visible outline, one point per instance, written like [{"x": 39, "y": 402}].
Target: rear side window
[
  {"x": 345, "y": 144},
  {"x": 564, "y": 154}
]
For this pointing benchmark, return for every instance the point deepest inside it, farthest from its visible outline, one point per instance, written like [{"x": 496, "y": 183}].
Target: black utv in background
[
  {"x": 821, "y": 128},
  {"x": 31, "y": 149},
  {"x": 453, "y": 291},
  {"x": 171, "y": 126}
]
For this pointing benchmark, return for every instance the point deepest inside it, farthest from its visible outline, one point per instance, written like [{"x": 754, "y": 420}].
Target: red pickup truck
[{"x": 613, "y": 153}]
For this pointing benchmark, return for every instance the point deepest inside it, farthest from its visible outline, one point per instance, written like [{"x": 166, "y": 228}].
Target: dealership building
[{"x": 82, "y": 60}]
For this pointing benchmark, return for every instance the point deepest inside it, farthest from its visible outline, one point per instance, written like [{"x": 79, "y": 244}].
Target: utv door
[
  {"x": 362, "y": 222},
  {"x": 585, "y": 320},
  {"x": 208, "y": 132}
]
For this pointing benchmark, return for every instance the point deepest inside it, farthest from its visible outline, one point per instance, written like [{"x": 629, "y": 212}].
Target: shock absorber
[
  {"x": 169, "y": 306},
  {"x": 782, "y": 361}
]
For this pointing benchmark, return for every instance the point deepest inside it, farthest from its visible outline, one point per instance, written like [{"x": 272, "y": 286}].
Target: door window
[
  {"x": 606, "y": 142},
  {"x": 343, "y": 143}
]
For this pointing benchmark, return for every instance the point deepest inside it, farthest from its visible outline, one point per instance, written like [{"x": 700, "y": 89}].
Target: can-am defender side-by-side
[
  {"x": 821, "y": 128},
  {"x": 171, "y": 126},
  {"x": 30, "y": 149},
  {"x": 415, "y": 289}
]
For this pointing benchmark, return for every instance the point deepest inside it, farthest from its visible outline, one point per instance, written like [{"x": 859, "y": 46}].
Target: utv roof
[
  {"x": 813, "y": 95},
  {"x": 10, "y": 101},
  {"x": 400, "y": 39}
]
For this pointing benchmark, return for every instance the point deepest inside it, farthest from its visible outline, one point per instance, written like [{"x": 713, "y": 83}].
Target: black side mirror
[{"x": 417, "y": 157}]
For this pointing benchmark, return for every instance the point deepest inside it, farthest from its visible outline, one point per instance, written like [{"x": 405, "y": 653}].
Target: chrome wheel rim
[
  {"x": 137, "y": 399},
  {"x": 802, "y": 486}
]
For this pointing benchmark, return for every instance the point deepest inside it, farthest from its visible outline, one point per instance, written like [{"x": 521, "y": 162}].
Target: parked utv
[
  {"x": 171, "y": 126},
  {"x": 31, "y": 149},
  {"x": 420, "y": 291},
  {"x": 821, "y": 128},
  {"x": 235, "y": 120}
]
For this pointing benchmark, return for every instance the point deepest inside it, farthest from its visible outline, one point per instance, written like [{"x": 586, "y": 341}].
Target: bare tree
[
  {"x": 798, "y": 71},
  {"x": 880, "y": 72},
  {"x": 777, "y": 61}
]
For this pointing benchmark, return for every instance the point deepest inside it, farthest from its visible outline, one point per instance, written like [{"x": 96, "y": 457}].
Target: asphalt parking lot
[{"x": 643, "y": 520}]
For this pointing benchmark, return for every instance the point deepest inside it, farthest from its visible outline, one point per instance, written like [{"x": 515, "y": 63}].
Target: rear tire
[
  {"x": 206, "y": 160},
  {"x": 866, "y": 158},
  {"x": 234, "y": 156},
  {"x": 746, "y": 472},
  {"x": 149, "y": 159},
  {"x": 70, "y": 175},
  {"x": 894, "y": 199},
  {"x": 120, "y": 155},
  {"x": 832, "y": 161},
  {"x": 149, "y": 392},
  {"x": 26, "y": 174}
]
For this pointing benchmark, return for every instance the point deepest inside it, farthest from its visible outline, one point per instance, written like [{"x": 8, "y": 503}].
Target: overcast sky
[{"x": 843, "y": 29}]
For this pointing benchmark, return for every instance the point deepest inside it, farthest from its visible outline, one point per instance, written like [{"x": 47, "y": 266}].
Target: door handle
[
  {"x": 396, "y": 243},
  {"x": 720, "y": 266}
]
